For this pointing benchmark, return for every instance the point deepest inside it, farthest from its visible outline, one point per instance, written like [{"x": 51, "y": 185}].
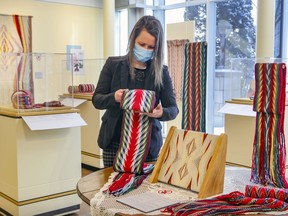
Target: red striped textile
[
  {"x": 134, "y": 142},
  {"x": 266, "y": 192},
  {"x": 269, "y": 149},
  {"x": 194, "y": 87},
  {"x": 233, "y": 203}
]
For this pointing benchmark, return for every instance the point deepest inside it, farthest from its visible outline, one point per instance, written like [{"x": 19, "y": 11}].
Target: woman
[{"x": 141, "y": 68}]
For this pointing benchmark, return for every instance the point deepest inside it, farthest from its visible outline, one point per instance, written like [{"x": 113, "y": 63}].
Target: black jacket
[{"x": 114, "y": 76}]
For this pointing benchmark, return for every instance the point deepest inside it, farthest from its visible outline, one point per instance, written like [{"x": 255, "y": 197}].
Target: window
[
  {"x": 122, "y": 36},
  {"x": 235, "y": 40},
  {"x": 232, "y": 30}
]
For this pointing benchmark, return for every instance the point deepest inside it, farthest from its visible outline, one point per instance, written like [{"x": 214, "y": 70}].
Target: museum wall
[{"x": 54, "y": 26}]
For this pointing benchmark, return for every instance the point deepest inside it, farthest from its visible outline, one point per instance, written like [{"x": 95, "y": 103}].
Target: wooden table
[{"x": 90, "y": 184}]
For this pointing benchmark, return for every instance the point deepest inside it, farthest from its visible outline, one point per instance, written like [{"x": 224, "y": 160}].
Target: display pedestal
[
  {"x": 240, "y": 121},
  {"x": 91, "y": 154},
  {"x": 39, "y": 169}
]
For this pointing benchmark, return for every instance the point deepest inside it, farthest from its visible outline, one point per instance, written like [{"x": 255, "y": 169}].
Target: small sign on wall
[{"x": 75, "y": 60}]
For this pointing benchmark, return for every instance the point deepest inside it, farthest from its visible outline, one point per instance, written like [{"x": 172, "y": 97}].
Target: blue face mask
[{"x": 142, "y": 54}]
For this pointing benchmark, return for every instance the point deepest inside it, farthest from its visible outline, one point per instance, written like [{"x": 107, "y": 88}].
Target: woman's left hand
[{"x": 156, "y": 113}]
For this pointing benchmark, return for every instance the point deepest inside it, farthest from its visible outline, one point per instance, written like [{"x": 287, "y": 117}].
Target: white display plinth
[
  {"x": 39, "y": 169},
  {"x": 90, "y": 152},
  {"x": 240, "y": 121}
]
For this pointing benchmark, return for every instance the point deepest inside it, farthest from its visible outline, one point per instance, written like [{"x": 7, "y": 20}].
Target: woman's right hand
[{"x": 118, "y": 94}]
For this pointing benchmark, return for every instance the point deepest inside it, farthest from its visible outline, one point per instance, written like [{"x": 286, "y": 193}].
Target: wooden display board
[{"x": 192, "y": 160}]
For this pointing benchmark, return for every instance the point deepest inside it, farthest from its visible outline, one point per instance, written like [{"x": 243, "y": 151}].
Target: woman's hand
[
  {"x": 118, "y": 95},
  {"x": 156, "y": 113}
]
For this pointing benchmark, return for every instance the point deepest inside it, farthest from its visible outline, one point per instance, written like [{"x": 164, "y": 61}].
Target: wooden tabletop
[{"x": 90, "y": 184}]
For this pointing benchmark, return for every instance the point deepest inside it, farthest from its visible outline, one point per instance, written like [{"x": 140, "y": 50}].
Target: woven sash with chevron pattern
[
  {"x": 233, "y": 203},
  {"x": 194, "y": 87},
  {"x": 134, "y": 142},
  {"x": 269, "y": 151},
  {"x": 266, "y": 192}
]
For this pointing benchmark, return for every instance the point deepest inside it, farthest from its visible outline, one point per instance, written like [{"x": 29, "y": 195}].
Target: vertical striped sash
[
  {"x": 194, "y": 87},
  {"x": 269, "y": 151},
  {"x": 134, "y": 142}
]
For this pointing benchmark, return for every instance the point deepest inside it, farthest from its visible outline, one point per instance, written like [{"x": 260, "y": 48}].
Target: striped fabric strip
[
  {"x": 232, "y": 203},
  {"x": 266, "y": 192},
  {"x": 269, "y": 149},
  {"x": 134, "y": 142},
  {"x": 15, "y": 37},
  {"x": 84, "y": 88},
  {"x": 24, "y": 77},
  {"x": 175, "y": 49},
  {"x": 73, "y": 89},
  {"x": 194, "y": 87},
  {"x": 22, "y": 99}
]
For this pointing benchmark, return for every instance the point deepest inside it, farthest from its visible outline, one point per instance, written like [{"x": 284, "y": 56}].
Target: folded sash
[
  {"x": 22, "y": 99},
  {"x": 82, "y": 88},
  {"x": 265, "y": 192}
]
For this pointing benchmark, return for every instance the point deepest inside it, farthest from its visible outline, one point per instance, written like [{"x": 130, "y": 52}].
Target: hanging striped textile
[
  {"x": 232, "y": 203},
  {"x": 266, "y": 192},
  {"x": 23, "y": 25},
  {"x": 134, "y": 142},
  {"x": 194, "y": 87},
  {"x": 176, "y": 61},
  {"x": 15, "y": 55},
  {"x": 269, "y": 150}
]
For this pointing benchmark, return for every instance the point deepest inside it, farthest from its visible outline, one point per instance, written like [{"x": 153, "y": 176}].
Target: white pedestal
[
  {"x": 240, "y": 121},
  {"x": 90, "y": 151},
  {"x": 39, "y": 169},
  {"x": 240, "y": 131}
]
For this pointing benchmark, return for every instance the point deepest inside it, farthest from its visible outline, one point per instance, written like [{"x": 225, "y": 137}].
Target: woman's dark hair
[{"x": 153, "y": 27}]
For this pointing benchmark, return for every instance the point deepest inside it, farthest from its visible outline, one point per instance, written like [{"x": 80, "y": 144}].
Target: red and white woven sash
[
  {"x": 134, "y": 142},
  {"x": 136, "y": 131}
]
